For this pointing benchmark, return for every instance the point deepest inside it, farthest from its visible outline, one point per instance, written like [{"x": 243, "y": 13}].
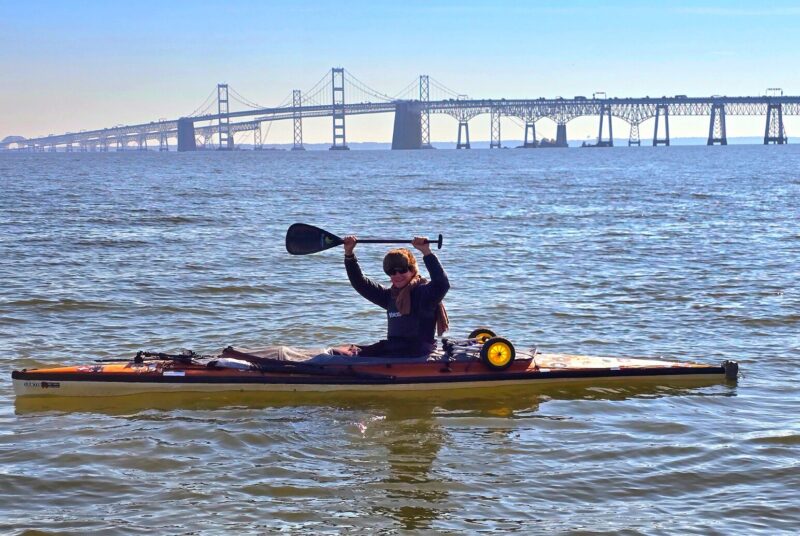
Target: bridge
[{"x": 215, "y": 125}]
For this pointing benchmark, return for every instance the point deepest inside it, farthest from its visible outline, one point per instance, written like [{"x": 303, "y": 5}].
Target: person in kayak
[{"x": 414, "y": 307}]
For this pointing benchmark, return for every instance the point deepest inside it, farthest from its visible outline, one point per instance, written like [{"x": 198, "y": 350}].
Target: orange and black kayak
[{"x": 482, "y": 364}]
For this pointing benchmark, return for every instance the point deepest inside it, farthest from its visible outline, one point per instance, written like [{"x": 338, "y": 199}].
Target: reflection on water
[
  {"x": 412, "y": 440},
  {"x": 503, "y": 402}
]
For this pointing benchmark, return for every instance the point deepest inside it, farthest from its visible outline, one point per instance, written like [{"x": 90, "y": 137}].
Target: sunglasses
[{"x": 392, "y": 271}]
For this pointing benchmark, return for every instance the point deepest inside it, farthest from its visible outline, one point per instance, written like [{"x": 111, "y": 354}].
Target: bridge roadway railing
[{"x": 560, "y": 110}]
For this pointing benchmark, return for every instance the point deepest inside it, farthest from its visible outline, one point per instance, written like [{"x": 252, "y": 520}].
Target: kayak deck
[{"x": 160, "y": 375}]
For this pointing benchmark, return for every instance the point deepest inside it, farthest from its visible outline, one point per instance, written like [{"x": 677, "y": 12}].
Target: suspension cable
[
  {"x": 203, "y": 107},
  {"x": 241, "y": 99},
  {"x": 441, "y": 87},
  {"x": 366, "y": 89},
  {"x": 311, "y": 95},
  {"x": 408, "y": 91}
]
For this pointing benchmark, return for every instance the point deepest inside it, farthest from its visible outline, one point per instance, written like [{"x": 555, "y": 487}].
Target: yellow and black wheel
[
  {"x": 482, "y": 334},
  {"x": 498, "y": 353}
]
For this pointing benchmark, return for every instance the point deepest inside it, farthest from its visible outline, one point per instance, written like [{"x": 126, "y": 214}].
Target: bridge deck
[{"x": 560, "y": 110}]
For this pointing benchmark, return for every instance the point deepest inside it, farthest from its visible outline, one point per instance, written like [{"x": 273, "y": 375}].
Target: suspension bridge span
[{"x": 215, "y": 124}]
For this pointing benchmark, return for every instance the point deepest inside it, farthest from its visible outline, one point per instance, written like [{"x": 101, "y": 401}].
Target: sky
[{"x": 69, "y": 66}]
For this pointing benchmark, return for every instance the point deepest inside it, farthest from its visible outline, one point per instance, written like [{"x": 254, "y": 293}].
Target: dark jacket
[{"x": 412, "y": 334}]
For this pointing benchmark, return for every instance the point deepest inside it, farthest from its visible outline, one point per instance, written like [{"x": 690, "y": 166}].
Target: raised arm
[
  {"x": 437, "y": 288},
  {"x": 377, "y": 294}
]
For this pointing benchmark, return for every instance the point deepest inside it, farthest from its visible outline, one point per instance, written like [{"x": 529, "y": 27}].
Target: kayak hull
[{"x": 168, "y": 377}]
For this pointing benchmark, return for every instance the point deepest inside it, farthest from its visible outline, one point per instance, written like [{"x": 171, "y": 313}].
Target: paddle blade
[{"x": 302, "y": 239}]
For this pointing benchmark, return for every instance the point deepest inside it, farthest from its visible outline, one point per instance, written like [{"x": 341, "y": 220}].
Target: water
[{"x": 681, "y": 252}]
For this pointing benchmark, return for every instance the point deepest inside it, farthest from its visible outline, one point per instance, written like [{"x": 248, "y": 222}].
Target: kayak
[{"x": 468, "y": 364}]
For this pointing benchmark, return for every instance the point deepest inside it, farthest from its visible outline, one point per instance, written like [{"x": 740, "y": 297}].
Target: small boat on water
[{"x": 483, "y": 360}]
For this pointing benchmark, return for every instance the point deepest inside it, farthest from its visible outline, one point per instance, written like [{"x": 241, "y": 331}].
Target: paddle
[{"x": 302, "y": 239}]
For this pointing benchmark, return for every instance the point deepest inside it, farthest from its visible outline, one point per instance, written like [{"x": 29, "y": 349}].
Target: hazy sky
[{"x": 68, "y": 66}]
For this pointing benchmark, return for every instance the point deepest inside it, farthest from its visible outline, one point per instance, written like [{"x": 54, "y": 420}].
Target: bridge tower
[
  {"x": 425, "y": 116},
  {"x": 633, "y": 137},
  {"x": 495, "y": 115},
  {"x": 661, "y": 110},
  {"x": 224, "y": 121},
  {"x": 716, "y": 128},
  {"x": 774, "y": 132},
  {"x": 297, "y": 119},
  {"x": 337, "y": 87},
  {"x": 605, "y": 111}
]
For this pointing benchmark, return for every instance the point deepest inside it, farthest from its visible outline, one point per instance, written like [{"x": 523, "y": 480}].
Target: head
[{"x": 401, "y": 267}]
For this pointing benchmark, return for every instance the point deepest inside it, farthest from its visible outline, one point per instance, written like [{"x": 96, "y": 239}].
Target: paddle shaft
[{"x": 381, "y": 241}]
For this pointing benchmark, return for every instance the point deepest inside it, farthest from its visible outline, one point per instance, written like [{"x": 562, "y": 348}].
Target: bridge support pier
[
  {"x": 258, "y": 142},
  {"x": 495, "y": 142},
  {"x": 407, "y": 126},
  {"x": 774, "y": 132},
  {"x": 633, "y": 137},
  {"x": 465, "y": 126},
  {"x": 530, "y": 142},
  {"x": 186, "y": 136},
  {"x": 661, "y": 110},
  {"x": 716, "y": 128},
  {"x": 605, "y": 111},
  {"x": 561, "y": 135}
]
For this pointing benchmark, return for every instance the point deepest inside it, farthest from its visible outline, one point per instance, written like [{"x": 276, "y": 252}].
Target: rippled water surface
[{"x": 681, "y": 252}]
